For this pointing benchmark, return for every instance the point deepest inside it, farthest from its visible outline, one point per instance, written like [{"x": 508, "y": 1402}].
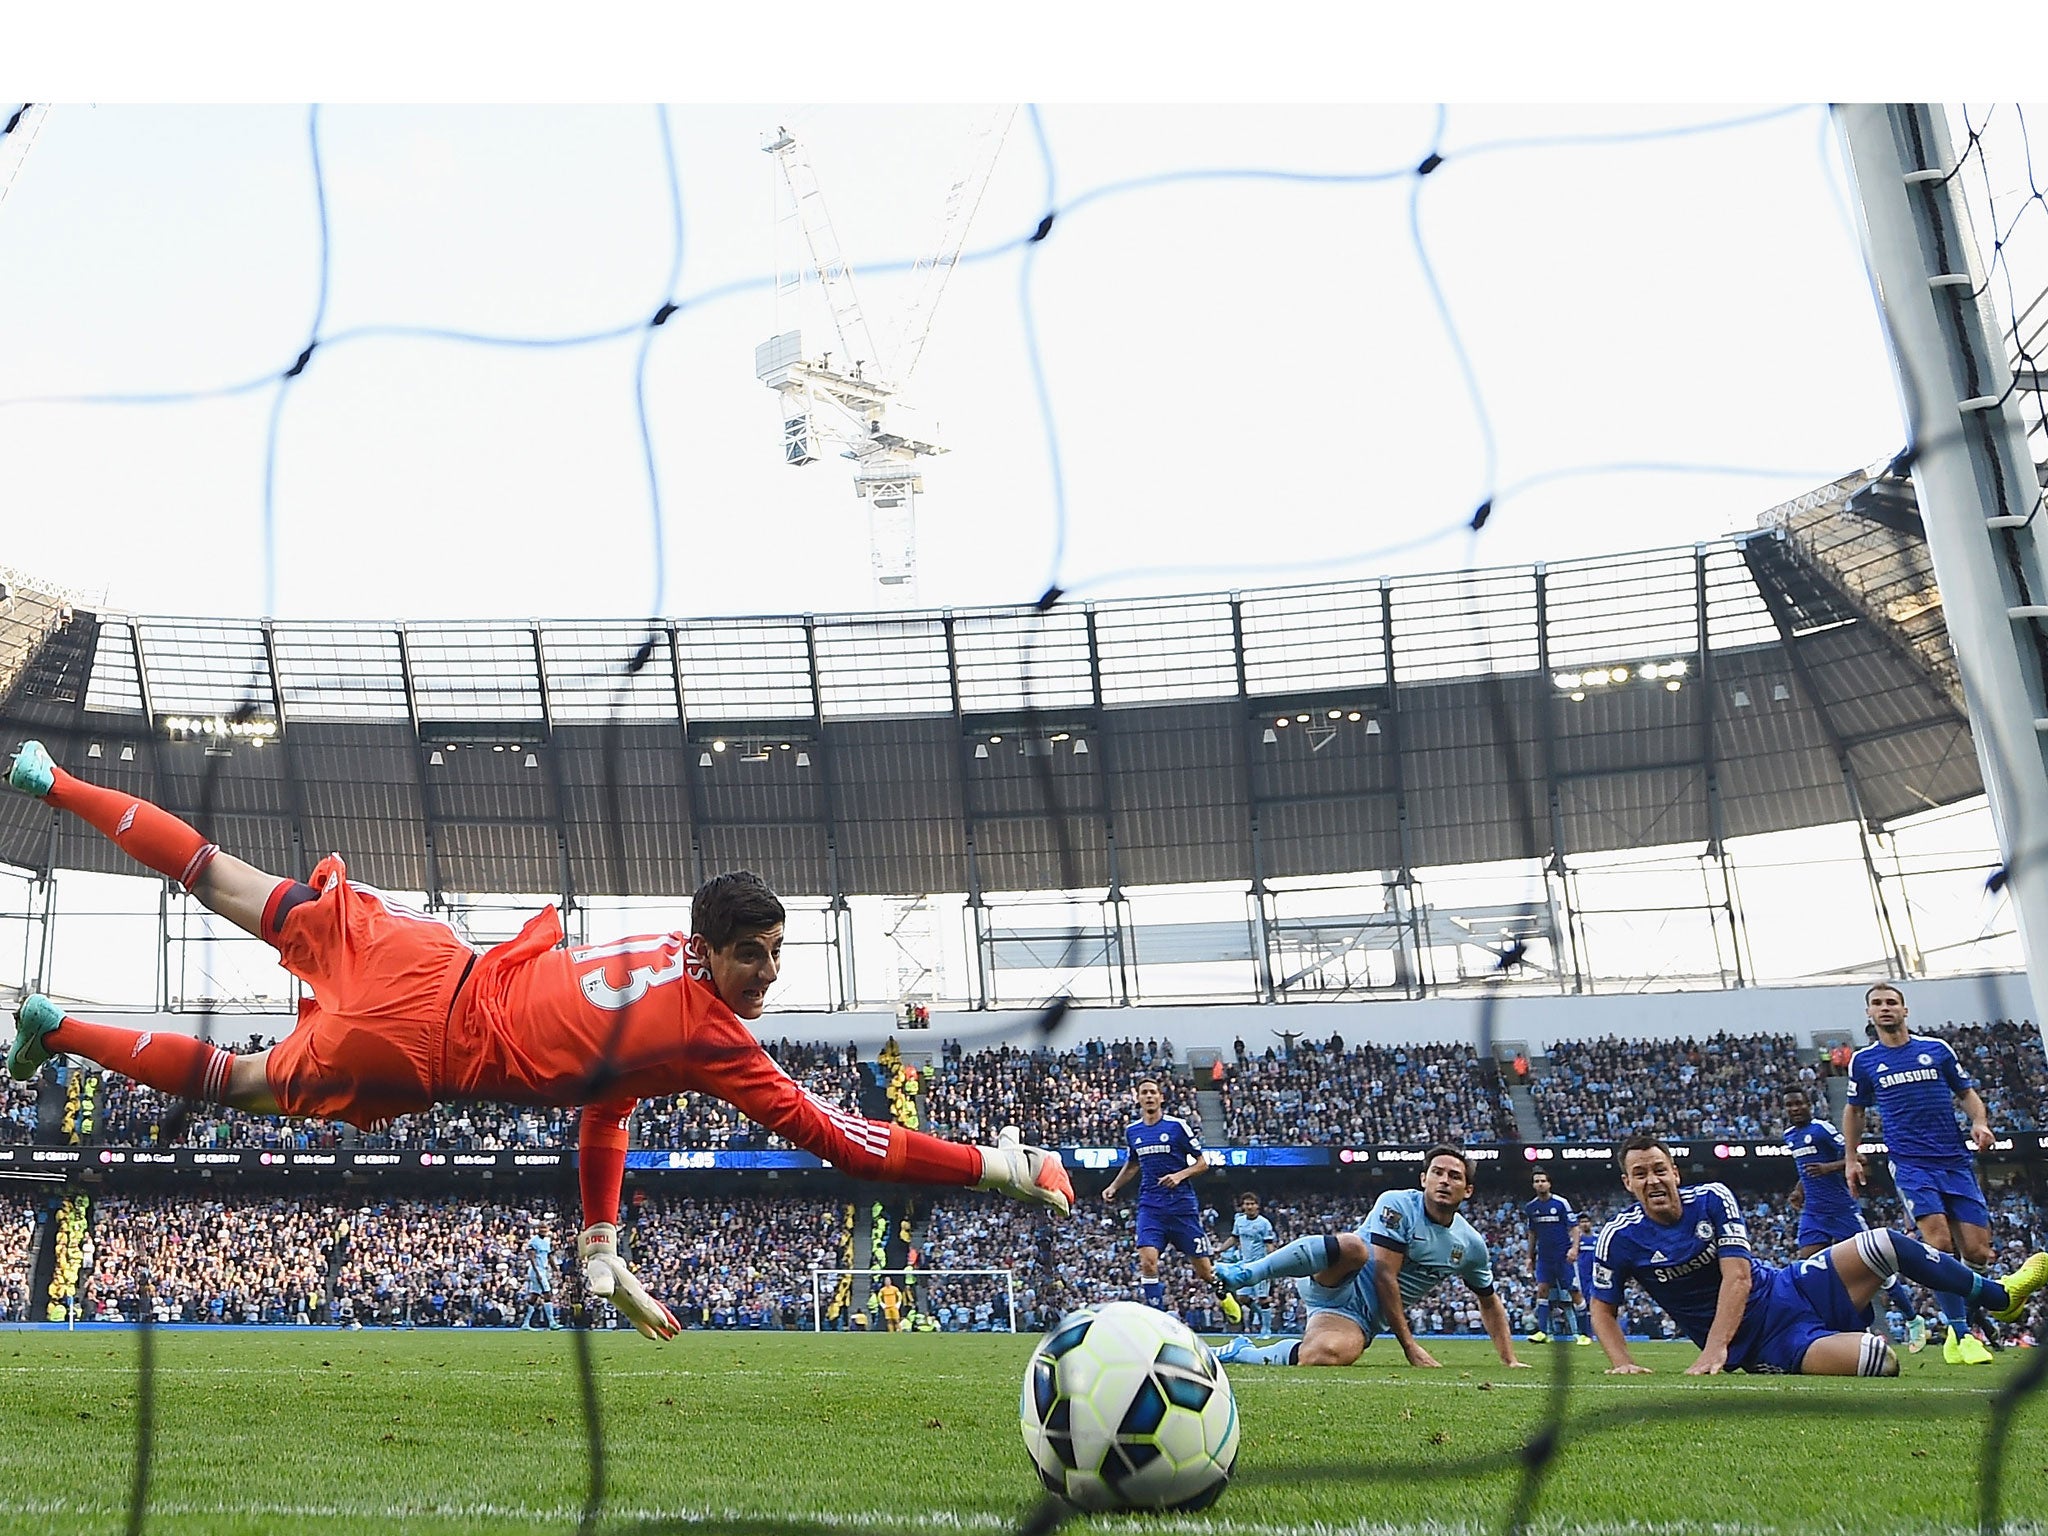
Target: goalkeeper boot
[
  {"x": 35, "y": 1018},
  {"x": 1026, "y": 1173},
  {"x": 1233, "y": 1309},
  {"x": 2020, "y": 1285},
  {"x": 31, "y": 770}
]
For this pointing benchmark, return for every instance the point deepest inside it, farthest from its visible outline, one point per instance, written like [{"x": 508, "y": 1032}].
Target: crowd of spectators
[
  {"x": 396, "y": 1263},
  {"x": 1364, "y": 1095},
  {"x": 18, "y": 1231},
  {"x": 1325, "y": 1093},
  {"x": 17, "y": 1112},
  {"x": 1726, "y": 1086},
  {"x": 1078, "y": 1098},
  {"x": 737, "y": 1263},
  {"x": 697, "y": 1120},
  {"x": 745, "y": 1262},
  {"x": 2010, "y": 1067}
]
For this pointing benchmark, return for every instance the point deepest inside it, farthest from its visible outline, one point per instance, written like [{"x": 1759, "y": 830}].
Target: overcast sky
[
  {"x": 1250, "y": 379},
  {"x": 1241, "y": 373}
]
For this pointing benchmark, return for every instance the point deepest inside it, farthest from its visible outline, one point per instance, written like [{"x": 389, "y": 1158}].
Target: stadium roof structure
[{"x": 1790, "y": 677}]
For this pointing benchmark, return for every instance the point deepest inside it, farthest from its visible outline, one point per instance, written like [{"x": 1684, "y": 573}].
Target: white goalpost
[{"x": 824, "y": 1282}]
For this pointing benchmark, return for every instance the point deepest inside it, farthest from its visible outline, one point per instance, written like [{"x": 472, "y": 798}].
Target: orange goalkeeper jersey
[{"x": 630, "y": 1019}]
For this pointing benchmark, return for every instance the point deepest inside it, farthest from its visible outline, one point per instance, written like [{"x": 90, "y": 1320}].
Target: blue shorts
[
  {"x": 1929, "y": 1191},
  {"x": 1354, "y": 1299},
  {"x": 1829, "y": 1227},
  {"x": 1801, "y": 1303},
  {"x": 1555, "y": 1272},
  {"x": 1173, "y": 1229}
]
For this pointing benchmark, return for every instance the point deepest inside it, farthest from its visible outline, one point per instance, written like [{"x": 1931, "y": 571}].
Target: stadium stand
[
  {"x": 1065, "y": 1098},
  {"x": 1594, "y": 1090},
  {"x": 738, "y": 1262},
  {"x": 1366, "y": 1094},
  {"x": 1600, "y": 1090}
]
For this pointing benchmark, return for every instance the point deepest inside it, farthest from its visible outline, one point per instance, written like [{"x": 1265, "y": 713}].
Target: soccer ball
[{"x": 1125, "y": 1408}]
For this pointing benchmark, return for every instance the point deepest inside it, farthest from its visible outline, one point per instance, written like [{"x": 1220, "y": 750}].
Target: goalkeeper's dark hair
[
  {"x": 729, "y": 906},
  {"x": 1640, "y": 1141}
]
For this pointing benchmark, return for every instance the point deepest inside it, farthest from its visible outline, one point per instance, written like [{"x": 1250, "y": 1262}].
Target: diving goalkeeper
[{"x": 404, "y": 1013}]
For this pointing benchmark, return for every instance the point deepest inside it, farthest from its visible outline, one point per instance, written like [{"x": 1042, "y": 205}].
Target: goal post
[{"x": 825, "y": 1281}]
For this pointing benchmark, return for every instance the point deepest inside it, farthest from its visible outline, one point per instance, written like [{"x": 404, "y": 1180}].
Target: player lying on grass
[
  {"x": 1688, "y": 1247},
  {"x": 1357, "y": 1284},
  {"x": 404, "y": 1013}
]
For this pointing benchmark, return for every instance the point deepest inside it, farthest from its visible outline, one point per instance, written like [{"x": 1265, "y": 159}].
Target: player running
[
  {"x": 1358, "y": 1284},
  {"x": 404, "y": 1013},
  {"x": 1164, "y": 1151},
  {"x": 1551, "y": 1221},
  {"x": 1915, "y": 1082},
  {"x": 1688, "y": 1247},
  {"x": 1828, "y": 1213},
  {"x": 1254, "y": 1234}
]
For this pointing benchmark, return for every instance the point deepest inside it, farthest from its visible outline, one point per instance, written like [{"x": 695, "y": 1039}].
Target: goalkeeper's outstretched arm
[{"x": 600, "y": 1170}]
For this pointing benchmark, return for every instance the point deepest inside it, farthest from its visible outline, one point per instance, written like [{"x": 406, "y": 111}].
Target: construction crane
[
  {"x": 19, "y": 125},
  {"x": 855, "y": 406}
]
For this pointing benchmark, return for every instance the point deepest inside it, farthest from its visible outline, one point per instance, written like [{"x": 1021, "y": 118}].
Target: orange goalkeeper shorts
[{"x": 370, "y": 1041}]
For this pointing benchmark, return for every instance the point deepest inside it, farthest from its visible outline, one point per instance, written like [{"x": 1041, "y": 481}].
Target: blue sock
[
  {"x": 1303, "y": 1256},
  {"x": 1955, "y": 1285},
  {"x": 1155, "y": 1294},
  {"x": 1902, "y": 1298},
  {"x": 1543, "y": 1317},
  {"x": 1280, "y": 1352},
  {"x": 1956, "y": 1309},
  {"x": 1586, "y": 1321}
]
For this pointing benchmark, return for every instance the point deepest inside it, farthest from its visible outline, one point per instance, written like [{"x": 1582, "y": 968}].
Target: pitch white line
[{"x": 940, "y": 1520}]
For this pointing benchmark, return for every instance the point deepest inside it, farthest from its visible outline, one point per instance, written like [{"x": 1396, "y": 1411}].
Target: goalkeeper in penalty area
[{"x": 404, "y": 1013}]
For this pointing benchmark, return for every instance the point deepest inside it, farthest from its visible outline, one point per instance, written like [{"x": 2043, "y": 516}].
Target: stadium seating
[
  {"x": 1726, "y": 1086},
  {"x": 1589, "y": 1090},
  {"x": 737, "y": 1262},
  {"x": 1367, "y": 1094}
]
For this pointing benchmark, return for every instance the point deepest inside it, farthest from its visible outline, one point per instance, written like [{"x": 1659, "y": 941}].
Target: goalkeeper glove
[
  {"x": 598, "y": 1248},
  {"x": 1028, "y": 1173}
]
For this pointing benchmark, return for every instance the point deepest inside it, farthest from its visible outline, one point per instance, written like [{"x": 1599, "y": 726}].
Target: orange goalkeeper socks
[
  {"x": 172, "y": 1063},
  {"x": 146, "y": 833}
]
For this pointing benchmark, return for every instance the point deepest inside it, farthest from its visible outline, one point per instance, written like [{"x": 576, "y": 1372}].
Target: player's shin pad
[{"x": 598, "y": 1248}]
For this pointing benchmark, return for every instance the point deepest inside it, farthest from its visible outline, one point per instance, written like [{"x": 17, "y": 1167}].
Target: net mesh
[{"x": 1039, "y": 641}]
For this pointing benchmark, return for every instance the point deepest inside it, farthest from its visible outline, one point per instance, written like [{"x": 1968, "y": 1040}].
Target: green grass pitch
[{"x": 453, "y": 1432}]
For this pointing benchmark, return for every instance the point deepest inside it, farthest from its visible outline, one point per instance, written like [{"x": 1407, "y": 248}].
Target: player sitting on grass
[
  {"x": 1688, "y": 1247},
  {"x": 404, "y": 1013},
  {"x": 1361, "y": 1283}
]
